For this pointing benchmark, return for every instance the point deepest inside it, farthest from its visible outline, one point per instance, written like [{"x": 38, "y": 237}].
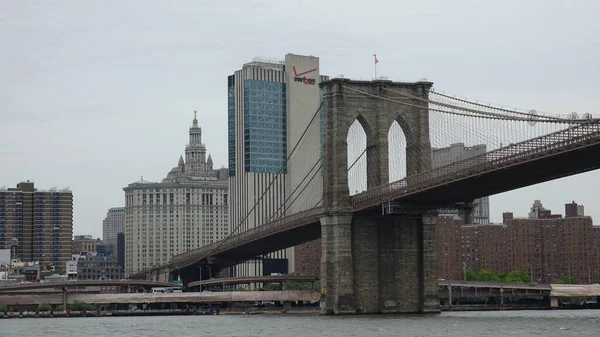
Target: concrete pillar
[
  {"x": 389, "y": 267},
  {"x": 366, "y": 254},
  {"x": 337, "y": 277},
  {"x": 450, "y": 297},
  {"x": 429, "y": 265},
  {"x": 400, "y": 269},
  {"x": 65, "y": 300}
]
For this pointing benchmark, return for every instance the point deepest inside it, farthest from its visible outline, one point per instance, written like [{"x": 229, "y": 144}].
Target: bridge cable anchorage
[
  {"x": 312, "y": 124},
  {"x": 461, "y": 139}
]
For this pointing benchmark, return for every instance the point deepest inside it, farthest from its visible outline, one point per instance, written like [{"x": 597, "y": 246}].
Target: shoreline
[{"x": 315, "y": 311}]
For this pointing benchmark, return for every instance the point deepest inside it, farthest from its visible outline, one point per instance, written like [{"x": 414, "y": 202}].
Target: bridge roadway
[
  {"x": 186, "y": 297},
  {"x": 81, "y": 284},
  {"x": 253, "y": 279},
  {"x": 553, "y": 156}
]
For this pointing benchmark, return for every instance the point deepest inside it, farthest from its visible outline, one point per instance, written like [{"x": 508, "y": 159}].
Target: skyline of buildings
[
  {"x": 270, "y": 104},
  {"x": 186, "y": 210},
  {"x": 37, "y": 225}
]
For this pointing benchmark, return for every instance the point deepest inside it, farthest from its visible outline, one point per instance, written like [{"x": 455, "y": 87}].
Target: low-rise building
[
  {"x": 98, "y": 268},
  {"x": 84, "y": 243}
]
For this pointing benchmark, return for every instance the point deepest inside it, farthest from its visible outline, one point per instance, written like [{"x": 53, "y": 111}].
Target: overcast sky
[{"x": 94, "y": 94}]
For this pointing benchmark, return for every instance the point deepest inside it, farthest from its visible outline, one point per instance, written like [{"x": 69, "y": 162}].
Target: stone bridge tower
[{"x": 373, "y": 263}]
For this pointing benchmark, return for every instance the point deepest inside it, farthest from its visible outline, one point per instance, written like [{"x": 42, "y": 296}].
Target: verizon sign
[{"x": 298, "y": 77}]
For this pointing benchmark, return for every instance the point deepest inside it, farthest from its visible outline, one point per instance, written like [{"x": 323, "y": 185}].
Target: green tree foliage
[
  {"x": 485, "y": 275},
  {"x": 517, "y": 276},
  {"x": 43, "y": 307},
  {"x": 488, "y": 276},
  {"x": 80, "y": 306},
  {"x": 2, "y": 308},
  {"x": 272, "y": 287},
  {"x": 471, "y": 275},
  {"x": 58, "y": 271},
  {"x": 566, "y": 280}
]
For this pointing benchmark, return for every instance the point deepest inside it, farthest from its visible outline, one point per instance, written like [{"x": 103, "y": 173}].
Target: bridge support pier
[
  {"x": 378, "y": 264},
  {"x": 65, "y": 299}
]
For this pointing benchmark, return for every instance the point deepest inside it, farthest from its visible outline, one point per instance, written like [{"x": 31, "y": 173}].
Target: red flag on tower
[{"x": 376, "y": 60}]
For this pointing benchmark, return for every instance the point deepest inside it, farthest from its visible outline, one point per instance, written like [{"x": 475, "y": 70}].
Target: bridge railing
[
  {"x": 283, "y": 223},
  {"x": 538, "y": 147}
]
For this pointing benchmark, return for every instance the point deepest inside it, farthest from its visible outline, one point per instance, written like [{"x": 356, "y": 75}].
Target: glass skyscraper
[
  {"x": 264, "y": 126},
  {"x": 268, "y": 109}
]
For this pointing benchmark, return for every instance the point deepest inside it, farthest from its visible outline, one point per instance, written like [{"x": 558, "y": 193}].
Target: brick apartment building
[
  {"x": 37, "y": 225},
  {"x": 547, "y": 247}
]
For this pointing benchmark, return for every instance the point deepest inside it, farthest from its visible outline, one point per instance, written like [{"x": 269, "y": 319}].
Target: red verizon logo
[{"x": 299, "y": 78}]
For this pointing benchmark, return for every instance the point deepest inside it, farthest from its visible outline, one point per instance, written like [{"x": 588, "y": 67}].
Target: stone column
[
  {"x": 429, "y": 266},
  {"x": 365, "y": 254},
  {"x": 337, "y": 274}
]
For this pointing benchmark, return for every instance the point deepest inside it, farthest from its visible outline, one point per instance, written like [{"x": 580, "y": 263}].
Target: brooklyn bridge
[{"x": 378, "y": 252}]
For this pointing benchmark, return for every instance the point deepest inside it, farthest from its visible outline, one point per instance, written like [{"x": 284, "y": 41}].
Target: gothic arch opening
[
  {"x": 396, "y": 152},
  {"x": 357, "y": 158}
]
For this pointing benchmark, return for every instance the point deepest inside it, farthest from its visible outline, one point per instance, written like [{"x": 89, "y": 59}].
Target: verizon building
[{"x": 270, "y": 104}]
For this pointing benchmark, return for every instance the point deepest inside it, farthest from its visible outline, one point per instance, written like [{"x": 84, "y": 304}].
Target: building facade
[
  {"x": 456, "y": 152},
  {"x": 113, "y": 224},
  {"x": 270, "y": 104},
  {"x": 547, "y": 248},
  {"x": 37, "y": 225},
  {"x": 84, "y": 243},
  {"x": 98, "y": 268},
  {"x": 120, "y": 250},
  {"x": 573, "y": 209},
  {"x": 187, "y": 210}
]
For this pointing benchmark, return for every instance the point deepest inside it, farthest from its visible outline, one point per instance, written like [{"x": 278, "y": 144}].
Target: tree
[
  {"x": 471, "y": 275},
  {"x": 487, "y": 276},
  {"x": 566, "y": 280},
  {"x": 272, "y": 287},
  {"x": 80, "y": 306},
  {"x": 43, "y": 307},
  {"x": 517, "y": 276},
  {"x": 58, "y": 270}
]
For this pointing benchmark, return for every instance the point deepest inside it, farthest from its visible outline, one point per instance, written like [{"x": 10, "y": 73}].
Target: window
[
  {"x": 231, "y": 126},
  {"x": 264, "y": 126}
]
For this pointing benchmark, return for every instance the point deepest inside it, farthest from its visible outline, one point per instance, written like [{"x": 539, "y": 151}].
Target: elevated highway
[
  {"x": 149, "y": 298},
  {"x": 253, "y": 279},
  {"x": 70, "y": 285}
]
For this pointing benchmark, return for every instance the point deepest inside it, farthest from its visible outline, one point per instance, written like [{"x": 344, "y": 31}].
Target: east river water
[{"x": 477, "y": 324}]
